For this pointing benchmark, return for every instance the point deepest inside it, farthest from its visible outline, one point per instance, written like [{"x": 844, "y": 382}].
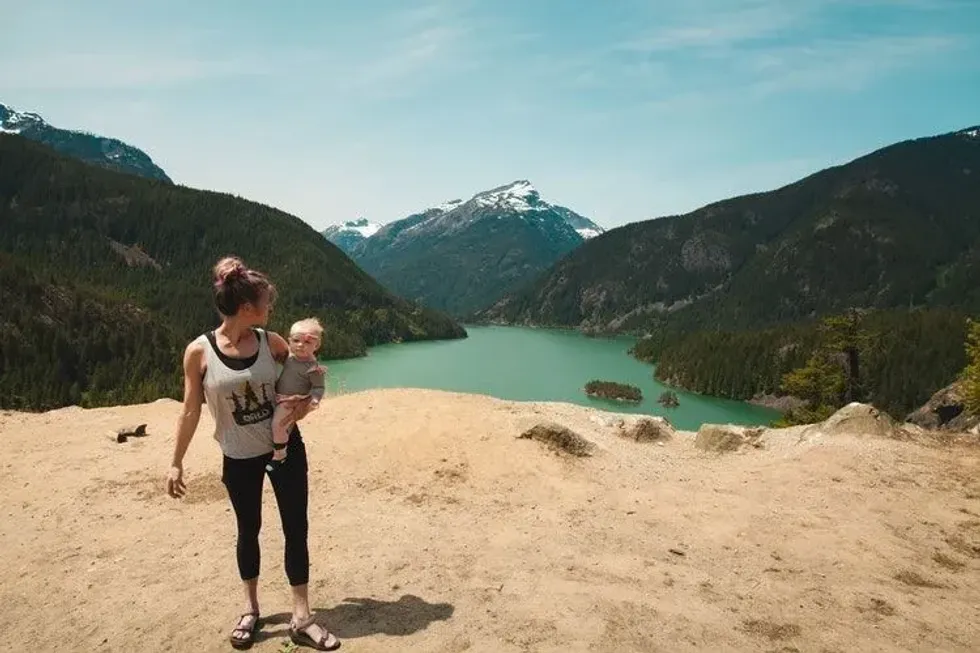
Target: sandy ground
[{"x": 434, "y": 529}]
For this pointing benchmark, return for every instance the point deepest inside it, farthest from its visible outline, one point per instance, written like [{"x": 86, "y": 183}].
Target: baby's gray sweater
[{"x": 296, "y": 379}]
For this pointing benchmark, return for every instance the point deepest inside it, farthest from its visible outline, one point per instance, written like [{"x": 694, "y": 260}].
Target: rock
[
  {"x": 126, "y": 432},
  {"x": 721, "y": 438},
  {"x": 857, "y": 419},
  {"x": 559, "y": 438},
  {"x": 945, "y": 410},
  {"x": 648, "y": 429},
  {"x": 606, "y": 420}
]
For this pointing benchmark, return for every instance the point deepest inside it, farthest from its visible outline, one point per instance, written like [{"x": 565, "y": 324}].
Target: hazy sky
[{"x": 622, "y": 109}]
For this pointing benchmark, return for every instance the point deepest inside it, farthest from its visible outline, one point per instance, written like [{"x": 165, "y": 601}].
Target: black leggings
[{"x": 244, "y": 477}]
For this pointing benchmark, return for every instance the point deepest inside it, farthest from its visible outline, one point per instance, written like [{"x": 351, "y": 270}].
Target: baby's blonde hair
[{"x": 309, "y": 325}]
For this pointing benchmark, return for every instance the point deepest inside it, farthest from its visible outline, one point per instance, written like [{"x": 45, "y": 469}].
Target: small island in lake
[
  {"x": 613, "y": 390},
  {"x": 668, "y": 399}
]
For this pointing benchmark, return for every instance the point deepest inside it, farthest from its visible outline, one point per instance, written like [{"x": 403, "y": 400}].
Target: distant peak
[
  {"x": 362, "y": 226},
  {"x": 972, "y": 132},
  {"x": 519, "y": 195},
  {"x": 519, "y": 188},
  {"x": 13, "y": 121}
]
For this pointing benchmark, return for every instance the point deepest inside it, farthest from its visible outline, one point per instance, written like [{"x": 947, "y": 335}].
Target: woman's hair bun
[{"x": 229, "y": 269}]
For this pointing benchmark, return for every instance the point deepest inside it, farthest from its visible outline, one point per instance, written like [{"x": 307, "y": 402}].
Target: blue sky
[{"x": 622, "y": 110}]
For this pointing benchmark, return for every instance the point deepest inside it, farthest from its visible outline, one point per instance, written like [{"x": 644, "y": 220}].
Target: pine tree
[
  {"x": 832, "y": 375},
  {"x": 971, "y": 373}
]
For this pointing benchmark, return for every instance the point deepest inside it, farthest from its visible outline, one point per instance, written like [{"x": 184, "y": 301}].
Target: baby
[{"x": 301, "y": 377}]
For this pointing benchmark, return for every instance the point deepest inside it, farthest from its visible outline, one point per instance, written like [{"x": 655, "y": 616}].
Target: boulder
[
  {"x": 860, "y": 420},
  {"x": 945, "y": 410},
  {"x": 723, "y": 438},
  {"x": 647, "y": 429},
  {"x": 133, "y": 431},
  {"x": 559, "y": 438}
]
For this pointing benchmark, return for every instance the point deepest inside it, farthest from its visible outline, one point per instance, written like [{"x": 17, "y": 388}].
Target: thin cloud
[
  {"x": 842, "y": 64},
  {"x": 718, "y": 26},
  {"x": 120, "y": 70}
]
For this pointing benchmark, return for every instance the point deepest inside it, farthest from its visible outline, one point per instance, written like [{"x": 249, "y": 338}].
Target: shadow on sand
[{"x": 362, "y": 617}]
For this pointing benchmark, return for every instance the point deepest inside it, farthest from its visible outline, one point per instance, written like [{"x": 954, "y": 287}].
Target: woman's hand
[
  {"x": 190, "y": 414},
  {"x": 175, "y": 482}
]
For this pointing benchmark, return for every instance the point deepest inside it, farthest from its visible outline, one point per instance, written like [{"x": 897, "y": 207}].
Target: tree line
[
  {"x": 893, "y": 359},
  {"x": 106, "y": 277}
]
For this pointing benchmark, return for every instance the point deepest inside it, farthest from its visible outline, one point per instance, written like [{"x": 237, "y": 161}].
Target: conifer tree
[{"x": 971, "y": 373}]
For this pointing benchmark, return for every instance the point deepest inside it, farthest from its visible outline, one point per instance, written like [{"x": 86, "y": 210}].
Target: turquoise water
[{"x": 528, "y": 364}]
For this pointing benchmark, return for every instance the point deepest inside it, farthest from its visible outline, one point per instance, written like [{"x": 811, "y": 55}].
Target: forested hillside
[
  {"x": 898, "y": 227},
  {"x": 905, "y": 356},
  {"x": 106, "y": 276}
]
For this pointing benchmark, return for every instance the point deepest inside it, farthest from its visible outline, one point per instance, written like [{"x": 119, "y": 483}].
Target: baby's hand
[{"x": 290, "y": 399}]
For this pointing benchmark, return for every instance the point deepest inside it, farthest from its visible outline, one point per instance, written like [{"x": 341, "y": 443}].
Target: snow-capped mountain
[
  {"x": 90, "y": 148},
  {"x": 348, "y": 235},
  {"x": 461, "y": 255},
  {"x": 585, "y": 227}
]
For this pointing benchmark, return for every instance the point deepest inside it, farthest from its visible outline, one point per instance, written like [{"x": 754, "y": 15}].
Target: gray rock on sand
[
  {"x": 857, "y": 419},
  {"x": 946, "y": 410},
  {"x": 647, "y": 429},
  {"x": 126, "y": 432},
  {"x": 559, "y": 438}
]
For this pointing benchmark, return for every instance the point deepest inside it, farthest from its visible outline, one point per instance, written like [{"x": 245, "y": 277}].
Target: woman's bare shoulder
[{"x": 194, "y": 355}]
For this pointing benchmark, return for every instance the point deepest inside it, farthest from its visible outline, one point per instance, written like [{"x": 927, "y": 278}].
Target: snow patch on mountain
[
  {"x": 448, "y": 206},
  {"x": 14, "y": 122},
  {"x": 362, "y": 226},
  {"x": 518, "y": 196}
]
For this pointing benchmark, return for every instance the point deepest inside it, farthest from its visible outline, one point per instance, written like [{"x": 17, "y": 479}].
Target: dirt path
[{"x": 434, "y": 529}]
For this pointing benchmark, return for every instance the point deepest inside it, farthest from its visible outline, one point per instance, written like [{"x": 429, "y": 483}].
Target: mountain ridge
[
  {"x": 91, "y": 148},
  {"x": 768, "y": 257}
]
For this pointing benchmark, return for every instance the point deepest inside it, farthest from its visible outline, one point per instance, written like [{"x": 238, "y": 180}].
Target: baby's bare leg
[{"x": 281, "y": 424}]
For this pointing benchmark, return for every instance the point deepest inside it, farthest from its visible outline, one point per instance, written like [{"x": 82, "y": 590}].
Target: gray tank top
[{"x": 241, "y": 401}]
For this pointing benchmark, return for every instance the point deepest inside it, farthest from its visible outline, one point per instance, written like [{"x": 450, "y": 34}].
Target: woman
[{"x": 233, "y": 369}]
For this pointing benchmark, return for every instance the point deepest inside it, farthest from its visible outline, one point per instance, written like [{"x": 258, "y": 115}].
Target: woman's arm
[
  {"x": 189, "y": 417},
  {"x": 279, "y": 346}
]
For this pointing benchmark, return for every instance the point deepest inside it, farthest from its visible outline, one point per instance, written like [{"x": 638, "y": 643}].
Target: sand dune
[{"x": 433, "y": 528}]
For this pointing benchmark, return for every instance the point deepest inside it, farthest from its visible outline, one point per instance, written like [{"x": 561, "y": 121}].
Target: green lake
[{"x": 527, "y": 364}]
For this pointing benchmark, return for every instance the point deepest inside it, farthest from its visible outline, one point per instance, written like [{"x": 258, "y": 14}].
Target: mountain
[
  {"x": 461, "y": 256},
  {"x": 897, "y": 227},
  {"x": 105, "y": 276},
  {"x": 97, "y": 150},
  {"x": 348, "y": 235},
  {"x": 585, "y": 227}
]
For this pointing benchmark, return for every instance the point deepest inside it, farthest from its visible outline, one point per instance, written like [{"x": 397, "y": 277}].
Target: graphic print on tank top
[{"x": 248, "y": 408}]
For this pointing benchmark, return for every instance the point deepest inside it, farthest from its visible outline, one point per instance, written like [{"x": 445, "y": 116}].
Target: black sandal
[
  {"x": 246, "y": 641},
  {"x": 297, "y": 633}
]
